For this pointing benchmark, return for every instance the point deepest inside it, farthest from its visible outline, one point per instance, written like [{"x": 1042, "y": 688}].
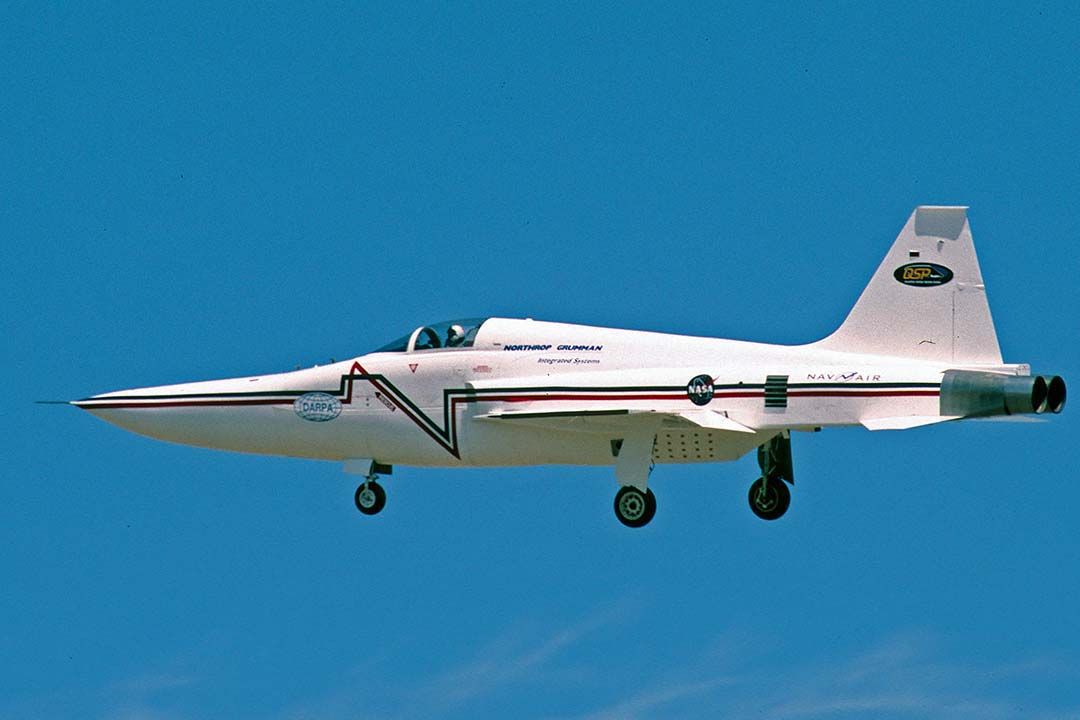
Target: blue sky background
[{"x": 204, "y": 192}]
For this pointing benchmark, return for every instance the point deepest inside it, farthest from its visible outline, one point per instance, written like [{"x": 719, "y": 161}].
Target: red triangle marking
[{"x": 413, "y": 366}]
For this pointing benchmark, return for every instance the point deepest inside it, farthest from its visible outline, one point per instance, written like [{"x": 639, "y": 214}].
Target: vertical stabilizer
[{"x": 927, "y": 300}]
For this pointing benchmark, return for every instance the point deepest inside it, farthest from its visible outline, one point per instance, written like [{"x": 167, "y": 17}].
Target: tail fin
[{"x": 927, "y": 300}]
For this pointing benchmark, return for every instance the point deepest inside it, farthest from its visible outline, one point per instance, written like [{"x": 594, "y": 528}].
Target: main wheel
[
  {"x": 370, "y": 498},
  {"x": 769, "y": 500},
  {"x": 633, "y": 507}
]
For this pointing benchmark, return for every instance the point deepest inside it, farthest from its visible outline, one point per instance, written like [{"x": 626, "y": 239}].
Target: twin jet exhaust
[
  {"x": 918, "y": 348},
  {"x": 966, "y": 393}
]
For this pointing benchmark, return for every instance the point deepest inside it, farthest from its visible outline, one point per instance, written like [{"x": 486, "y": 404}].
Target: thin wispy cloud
[
  {"x": 735, "y": 674},
  {"x": 905, "y": 676},
  {"x": 140, "y": 697},
  {"x": 498, "y": 665},
  {"x": 518, "y": 656},
  {"x": 911, "y": 675},
  {"x": 650, "y": 702},
  {"x": 154, "y": 682},
  {"x": 508, "y": 661},
  {"x": 139, "y": 712}
]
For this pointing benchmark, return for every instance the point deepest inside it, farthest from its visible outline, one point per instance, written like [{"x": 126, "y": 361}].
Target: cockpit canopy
[{"x": 449, "y": 335}]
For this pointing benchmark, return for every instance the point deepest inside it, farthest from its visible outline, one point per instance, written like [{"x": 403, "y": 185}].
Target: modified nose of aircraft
[
  {"x": 257, "y": 414},
  {"x": 202, "y": 414},
  {"x": 142, "y": 416}
]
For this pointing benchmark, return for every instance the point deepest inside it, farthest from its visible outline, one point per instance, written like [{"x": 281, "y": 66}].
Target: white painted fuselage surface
[
  {"x": 498, "y": 402},
  {"x": 919, "y": 347}
]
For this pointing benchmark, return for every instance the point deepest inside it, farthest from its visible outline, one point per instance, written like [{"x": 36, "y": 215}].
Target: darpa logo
[
  {"x": 317, "y": 407},
  {"x": 700, "y": 389},
  {"x": 923, "y": 274}
]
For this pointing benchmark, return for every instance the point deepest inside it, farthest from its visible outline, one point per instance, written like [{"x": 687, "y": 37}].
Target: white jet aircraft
[{"x": 919, "y": 347}]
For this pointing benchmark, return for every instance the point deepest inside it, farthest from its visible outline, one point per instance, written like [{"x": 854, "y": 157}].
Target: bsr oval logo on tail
[
  {"x": 923, "y": 274},
  {"x": 317, "y": 407}
]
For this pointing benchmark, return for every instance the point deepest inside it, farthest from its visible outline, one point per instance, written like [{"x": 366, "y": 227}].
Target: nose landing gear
[{"x": 370, "y": 497}]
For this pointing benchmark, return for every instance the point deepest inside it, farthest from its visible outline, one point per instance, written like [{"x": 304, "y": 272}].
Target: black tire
[
  {"x": 372, "y": 501},
  {"x": 774, "y": 503},
  {"x": 633, "y": 507}
]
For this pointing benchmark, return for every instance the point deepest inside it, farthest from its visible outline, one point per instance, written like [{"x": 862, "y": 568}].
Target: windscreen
[{"x": 450, "y": 335}]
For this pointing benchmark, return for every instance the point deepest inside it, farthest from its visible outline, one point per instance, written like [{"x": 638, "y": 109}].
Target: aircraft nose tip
[
  {"x": 96, "y": 405},
  {"x": 131, "y": 413},
  {"x": 89, "y": 404}
]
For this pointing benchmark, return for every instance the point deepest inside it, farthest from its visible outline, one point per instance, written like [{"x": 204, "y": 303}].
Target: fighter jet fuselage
[{"x": 918, "y": 348}]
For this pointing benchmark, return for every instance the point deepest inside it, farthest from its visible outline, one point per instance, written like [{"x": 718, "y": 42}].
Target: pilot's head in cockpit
[{"x": 455, "y": 335}]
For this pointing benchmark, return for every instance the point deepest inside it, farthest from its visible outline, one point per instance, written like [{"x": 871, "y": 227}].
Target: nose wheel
[
  {"x": 370, "y": 497},
  {"x": 633, "y": 507}
]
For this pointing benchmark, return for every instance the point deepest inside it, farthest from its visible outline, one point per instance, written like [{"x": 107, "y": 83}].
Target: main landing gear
[
  {"x": 633, "y": 507},
  {"x": 635, "y": 504},
  {"x": 370, "y": 497},
  {"x": 769, "y": 498},
  {"x": 769, "y": 495}
]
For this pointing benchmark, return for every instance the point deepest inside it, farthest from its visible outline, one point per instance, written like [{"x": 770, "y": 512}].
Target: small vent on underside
[
  {"x": 616, "y": 447},
  {"x": 674, "y": 446},
  {"x": 776, "y": 391}
]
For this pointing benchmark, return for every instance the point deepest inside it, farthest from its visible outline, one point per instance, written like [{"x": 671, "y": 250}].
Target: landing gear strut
[
  {"x": 769, "y": 495},
  {"x": 635, "y": 504}
]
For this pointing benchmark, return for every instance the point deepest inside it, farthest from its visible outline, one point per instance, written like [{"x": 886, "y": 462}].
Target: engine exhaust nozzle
[
  {"x": 1055, "y": 394},
  {"x": 969, "y": 393},
  {"x": 1038, "y": 395}
]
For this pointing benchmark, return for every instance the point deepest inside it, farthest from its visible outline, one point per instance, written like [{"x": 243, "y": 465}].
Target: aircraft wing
[
  {"x": 646, "y": 435},
  {"x": 905, "y": 422},
  {"x": 603, "y": 420}
]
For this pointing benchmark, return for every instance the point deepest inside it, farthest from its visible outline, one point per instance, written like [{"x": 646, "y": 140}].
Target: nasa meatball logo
[
  {"x": 317, "y": 407},
  {"x": 700, "y": 390}
]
